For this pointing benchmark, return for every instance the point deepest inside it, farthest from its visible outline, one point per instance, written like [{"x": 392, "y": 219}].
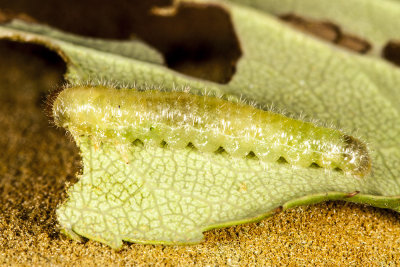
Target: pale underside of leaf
[{"x": 172, "y": 196}]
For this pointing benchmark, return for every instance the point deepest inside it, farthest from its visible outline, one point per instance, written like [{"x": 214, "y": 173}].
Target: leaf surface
[{"x": 171, "y": 196}]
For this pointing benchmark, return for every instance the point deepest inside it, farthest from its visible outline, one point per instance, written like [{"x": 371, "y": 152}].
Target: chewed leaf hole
[
  {"x": 328, "y": 31},
  {"x": 197, "y": 39},
  {"x": 391, "y": 52},
  {"x": 207, "y": 49},
  {"x": 325, "y": 30}
]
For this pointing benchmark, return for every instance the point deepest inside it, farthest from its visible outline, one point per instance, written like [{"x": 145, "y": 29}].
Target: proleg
[{"x": 208, "y": 123}]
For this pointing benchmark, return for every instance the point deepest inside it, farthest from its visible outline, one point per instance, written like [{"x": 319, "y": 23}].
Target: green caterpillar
[{"x": 208, "y": 123}]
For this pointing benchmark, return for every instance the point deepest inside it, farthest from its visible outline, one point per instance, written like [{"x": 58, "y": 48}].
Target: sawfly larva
[{"x": 209, "y": 124}]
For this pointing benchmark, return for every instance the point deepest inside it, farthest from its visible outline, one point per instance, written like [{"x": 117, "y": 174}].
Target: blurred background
[
  {"x": 196, "y": 40},
  {"x": 38, "y": 161}
]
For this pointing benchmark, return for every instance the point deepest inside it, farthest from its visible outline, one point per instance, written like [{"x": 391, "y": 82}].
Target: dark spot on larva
[
  {"x": 391, "y": 51},
  {"x": 138, "y": 143},
  {"x": 328, "y": 31},
  {"x": 151, "y": 129},
  {"x": 282, "y": 160},
  {"x": 163, "y": 144},
  {"x": 220, "y": 150},
  {"x": 315, "y": 166},
  {"x": 191, "y": 146},
  {"x": 337, "y": 169},
  {"x": 119, "y": 106},
  {"x": 251, "y": 155}
]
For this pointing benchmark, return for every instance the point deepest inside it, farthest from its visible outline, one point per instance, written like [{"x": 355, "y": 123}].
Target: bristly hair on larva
[
  {"x": 242, "y": 99},
  {"x": 114, "y": 84},
  {"x": 178, "y": 118}
]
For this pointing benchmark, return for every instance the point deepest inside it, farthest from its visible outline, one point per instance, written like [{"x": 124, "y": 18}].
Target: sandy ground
[{"x": 38, "y": 161}]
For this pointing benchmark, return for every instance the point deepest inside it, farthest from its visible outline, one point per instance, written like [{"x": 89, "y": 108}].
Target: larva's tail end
[{"x": 358, "y": 159}]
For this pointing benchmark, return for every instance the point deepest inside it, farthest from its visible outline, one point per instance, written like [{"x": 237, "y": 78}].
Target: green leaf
[
  {"x": 166, "y": 196},
  {"x": 130, "y": 49},
  {"x": 375, "y": 21}
]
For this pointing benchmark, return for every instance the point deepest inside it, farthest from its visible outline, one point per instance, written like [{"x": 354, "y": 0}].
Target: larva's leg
[
  {"x": 266, "y": 154},
  {"x": 176, "y": 138},
  {"x": 206, "y": 141}
]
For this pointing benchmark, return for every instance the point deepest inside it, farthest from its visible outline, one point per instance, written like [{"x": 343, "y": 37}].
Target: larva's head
[
  {"x": 356, "y": 157},
  {"x": 58, "y": 109},
  {"x": 50, "y": 103}
]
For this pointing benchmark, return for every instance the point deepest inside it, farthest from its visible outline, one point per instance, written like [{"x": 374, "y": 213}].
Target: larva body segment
[{"x": 208, "y": 123}]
